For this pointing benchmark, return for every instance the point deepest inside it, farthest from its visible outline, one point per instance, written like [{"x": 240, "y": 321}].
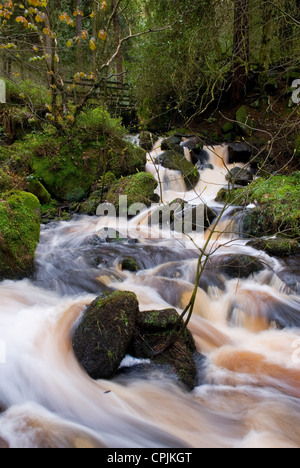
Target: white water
[{"x": 251, "y": 381}]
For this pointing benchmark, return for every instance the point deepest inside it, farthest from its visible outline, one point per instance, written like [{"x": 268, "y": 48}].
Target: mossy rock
[
  {"x": 19, "y": 234},
  {"x": 35, "y": 187},
  {"x": 147, "y": 140},
  {"x": 177, "y": 162},
  {"x": 244, "y": 121},
  {"x": 101, "y": 340},
  {"x": 89, "y": 207},
  {"x": 228, "y": 127},
  {"x": 130, "y": 264},
  {"x": 70, "y": 163},
  {"x": 278, "y": 211},
  {"x": 153, "y": 329},
  {"x": 138, "y": 188},
  {"x": 278, "y": 247}
]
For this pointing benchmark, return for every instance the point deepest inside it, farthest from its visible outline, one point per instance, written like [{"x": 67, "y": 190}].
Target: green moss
[
  {"x": 36, "y": 188},
  {"x": 244, "y": 121},
  {"x": 19, "y": 234},
  {"x": 278, "y": 247},
  {"x": 70, "y": 163},
  {"x": 138, "y": 188}
]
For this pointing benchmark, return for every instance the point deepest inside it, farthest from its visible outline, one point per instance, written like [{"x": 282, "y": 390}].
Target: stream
[{"x": 249, "y": 391}]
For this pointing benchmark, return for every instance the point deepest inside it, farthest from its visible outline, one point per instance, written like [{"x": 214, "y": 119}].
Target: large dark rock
[
  {"x": 147, "y": 140},
  {"x": 101, "y": 340},
  {"x": 239, "y": 176},
  {"x": 169, "y": 143},
  {"x": 182, "y": 217},
  {"x": 177, "y": 162},
  {"x": 152, "y": 333},
  {"x": 235, "y": 266},
  {"x": 239, "y": 153}
]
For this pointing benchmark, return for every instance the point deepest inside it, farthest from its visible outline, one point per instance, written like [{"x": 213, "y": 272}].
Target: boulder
[
  {"x": 89, "y": 207},
  {"x": 169, "y": 143},
  {"x": 20, "y": 215},
  {"x": 239, "y": 153},
  {"x": 240, "y": 176},
  {"x": 101, "y": 339},
  {"x": 175, "y": 161},
  {"x": 183, "y": 217},
  {"x": 138, "y": 188},
  {"x": 35, "y": 187},
  {"x": 278, "y": 247},
  {"x": 236, "y": 265},
  {"x": 193, "y": 143},
  {"x": 147, "y": 140},
  {"x": 130, "y": 264},
  {"x": 153, "y": 328}
]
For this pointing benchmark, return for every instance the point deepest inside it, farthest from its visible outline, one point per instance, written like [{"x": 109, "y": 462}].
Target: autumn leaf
[
  {"x": 102, "y": 35},
  {"x": 92, "y": 45},
  {"x": 69, "y": 43}
]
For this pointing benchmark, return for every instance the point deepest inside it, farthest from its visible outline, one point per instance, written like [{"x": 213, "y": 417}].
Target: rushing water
[{"x": 250, "y": 386}]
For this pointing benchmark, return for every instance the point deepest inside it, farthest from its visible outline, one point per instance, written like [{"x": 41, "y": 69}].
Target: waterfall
[{"x": 247, "y": 328}]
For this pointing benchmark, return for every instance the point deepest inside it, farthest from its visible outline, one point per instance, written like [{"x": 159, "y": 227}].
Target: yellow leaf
[
  {"x": 102, "y": 35},
  {"x": 92, "y": 45},
  {"x": 35, "y": 48},
  {"x": 104, "y": 6},
  {"x": 69, "y": 43}
]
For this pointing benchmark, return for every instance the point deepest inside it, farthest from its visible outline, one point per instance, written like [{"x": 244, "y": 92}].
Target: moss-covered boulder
[
  {"x": 130, "y": 264},
  {"x": 101, "y": 340},
  {"x": 138, "y": 188},
  {"x": 89, "y": 207},
  {"x": 70, "y": 163},
  {"x": 19, "y": 234},
  {"x": 35, "y": 187},
  {"x": 278, "y": 247},
  {"x": 177, "y": 162},
  {"x": 278, "y": 211},
  {"x": 153, "y": 330}
]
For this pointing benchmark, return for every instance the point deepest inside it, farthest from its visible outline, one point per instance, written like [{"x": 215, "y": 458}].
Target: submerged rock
[
  {"x": 101, "y": 340},
  {"x": 152, "y": 332},
  {"x": 236, "y": 266}
]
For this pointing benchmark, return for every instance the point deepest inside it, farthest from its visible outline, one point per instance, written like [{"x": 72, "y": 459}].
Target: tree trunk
[
  {"x": 241, "y": 46},
  {"x": 78, "y": 6},
  {"x": 267, "y": 36},
  {"x": 119, "y": 59}
]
